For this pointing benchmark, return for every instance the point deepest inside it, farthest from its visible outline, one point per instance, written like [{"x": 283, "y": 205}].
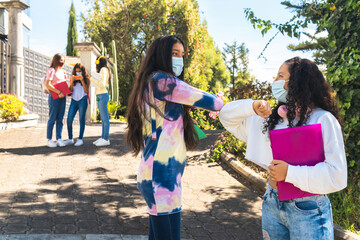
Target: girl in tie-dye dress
[{"x": 159, "y": 123}]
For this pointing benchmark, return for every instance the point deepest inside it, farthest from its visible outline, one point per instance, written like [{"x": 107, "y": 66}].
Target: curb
[
  {"x": 28, "y": 120},
  {"x": 260, "y": 184},
  {"x": 73, "y": 237}
]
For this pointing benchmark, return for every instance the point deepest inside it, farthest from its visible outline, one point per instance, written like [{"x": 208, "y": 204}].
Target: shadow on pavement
[
  {"x": 108, "y": 205},
  {"x": 61, "y": 205},
  {"x": 117, "y": 148}
]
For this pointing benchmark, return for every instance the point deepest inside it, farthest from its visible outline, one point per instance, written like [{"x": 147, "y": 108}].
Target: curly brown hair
[{"x": 308, "y": 89}]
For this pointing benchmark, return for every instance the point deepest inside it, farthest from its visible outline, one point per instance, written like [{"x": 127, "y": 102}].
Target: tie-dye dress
[{"x": 164, "y": 155}]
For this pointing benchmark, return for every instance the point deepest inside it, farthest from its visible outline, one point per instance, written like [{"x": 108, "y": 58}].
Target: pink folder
[
  {"x": 299, "y": 146},
  {"x": 63, "y": 87}
]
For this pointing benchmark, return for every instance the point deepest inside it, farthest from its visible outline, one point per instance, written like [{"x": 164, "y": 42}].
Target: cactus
[
  {"x": 102, "y": 49},
  {"x": 115, "y": 78}
]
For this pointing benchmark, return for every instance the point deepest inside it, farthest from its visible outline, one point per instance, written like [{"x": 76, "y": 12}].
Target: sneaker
[
  {"x": 78, "y": 143},
  {"x": 51, "y": 144},
  {"x": 97, "y": 141},
  {"x": 69, "y": 142},
  {"x": 102, "y": 142},
  {"x": 60, "y": 143}
]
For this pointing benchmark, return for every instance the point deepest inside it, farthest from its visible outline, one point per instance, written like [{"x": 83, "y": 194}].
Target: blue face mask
[
  {"x": 278, "y": 90},
  {"x": 78, "y": 73},
  {"x": 177, "y": 65}
]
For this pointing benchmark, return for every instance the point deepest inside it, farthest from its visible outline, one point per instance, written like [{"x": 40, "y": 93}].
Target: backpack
[{"x": 43, "y": 86}]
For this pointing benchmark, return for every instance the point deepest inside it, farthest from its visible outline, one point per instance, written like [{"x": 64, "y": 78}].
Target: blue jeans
[
  {"x": 296, "y": 219},
  {"x": 103, "y": 100},
  {"x": 56, "y": 114},
  {"x": 165, "y": 227},
  {"x": 80, "y": 105}
]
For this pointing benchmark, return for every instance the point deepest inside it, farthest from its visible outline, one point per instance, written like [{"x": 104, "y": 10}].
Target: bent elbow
[{"x": 219, "y": 104}]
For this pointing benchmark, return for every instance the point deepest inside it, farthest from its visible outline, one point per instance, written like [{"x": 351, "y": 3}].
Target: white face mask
[
  {"x": 177, "y": 65},
  {"x": 278, "y": 90}
]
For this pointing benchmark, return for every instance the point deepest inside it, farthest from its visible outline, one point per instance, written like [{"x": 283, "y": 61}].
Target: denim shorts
[{"x": 307, "y": 218}]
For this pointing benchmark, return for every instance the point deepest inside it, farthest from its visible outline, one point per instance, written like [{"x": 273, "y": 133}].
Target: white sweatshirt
[{"x": 239, "y": 118}]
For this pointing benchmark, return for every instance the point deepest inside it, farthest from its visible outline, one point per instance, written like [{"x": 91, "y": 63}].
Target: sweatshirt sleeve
[
  {"x": 328, "y": 176},
  {"x": 171, "y": 89},
  {"x": 234, "y": 116},
  {"x": 100, "y": 80}
]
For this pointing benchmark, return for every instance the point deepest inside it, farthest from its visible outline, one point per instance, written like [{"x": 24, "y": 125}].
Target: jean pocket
[
  {"x": 265, "y": 196},
  {"x": 307, "y": 205}
]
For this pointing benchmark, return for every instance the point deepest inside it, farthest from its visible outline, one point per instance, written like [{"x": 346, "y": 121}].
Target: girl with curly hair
[
  {"x": 304, "y": 98},
  {"x": 160, "y": 125}
]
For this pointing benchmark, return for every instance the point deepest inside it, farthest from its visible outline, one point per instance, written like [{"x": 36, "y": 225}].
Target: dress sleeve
[
  {"x": 167, "y": 88},
  {"x": 328, "y": 176}
]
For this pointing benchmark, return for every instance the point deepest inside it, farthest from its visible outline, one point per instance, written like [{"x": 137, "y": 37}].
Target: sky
[{"x": 226, "y": 23}]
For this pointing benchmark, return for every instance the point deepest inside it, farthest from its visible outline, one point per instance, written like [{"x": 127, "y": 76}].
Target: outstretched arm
[{"x": 171, "y": 89}]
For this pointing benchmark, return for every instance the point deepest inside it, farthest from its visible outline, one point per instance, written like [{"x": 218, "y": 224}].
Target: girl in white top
[
  {"x": 304, "y": 98},
  {"x": 79, "y": 85}
]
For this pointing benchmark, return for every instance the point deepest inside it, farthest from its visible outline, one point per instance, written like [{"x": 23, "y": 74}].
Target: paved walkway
[{"x": 85, "y": 191}]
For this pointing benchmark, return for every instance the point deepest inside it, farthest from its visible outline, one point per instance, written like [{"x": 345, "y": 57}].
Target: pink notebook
[
  {"x": 299, "y": 146},
  {"x": 63, "y": 87}
]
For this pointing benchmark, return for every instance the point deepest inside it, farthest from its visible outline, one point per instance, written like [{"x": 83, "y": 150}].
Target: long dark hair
[
  {"x": 83, "y": 71},
  {"x": 100, "y": 63},
  {"x": 308, "y": 89},
  {"x": 55, "y": 62},
  {"x": 158, "y": 58}
]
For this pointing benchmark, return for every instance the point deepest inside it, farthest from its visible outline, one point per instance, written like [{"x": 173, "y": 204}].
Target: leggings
[{"x": 165, "y": 227}]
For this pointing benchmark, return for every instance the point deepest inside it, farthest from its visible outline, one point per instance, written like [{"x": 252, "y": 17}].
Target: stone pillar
[
  {"x": 89, "y": 52},
  {"x": 15, "y": 38}
]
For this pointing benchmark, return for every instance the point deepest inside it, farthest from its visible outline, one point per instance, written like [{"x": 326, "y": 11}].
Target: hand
[
  {"x": 278, "y": 170},
  {"x": 61, "y": 95},
  {"x": 262, "y": 108}
]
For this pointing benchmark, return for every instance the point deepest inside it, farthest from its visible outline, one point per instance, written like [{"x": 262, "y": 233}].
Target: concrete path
[{"x": 86, "y": 191}]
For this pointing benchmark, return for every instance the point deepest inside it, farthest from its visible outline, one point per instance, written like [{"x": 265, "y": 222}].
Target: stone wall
[{"x": 36, "y": 65}]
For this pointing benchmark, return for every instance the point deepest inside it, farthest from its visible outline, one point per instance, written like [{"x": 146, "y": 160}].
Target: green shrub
[
  {"x": 116, "y": 111},
  {"x": 10, "y": 107},
  {"x": 204, "y": 120},
  {"x": 346, "y": 204},
  {"x": 227, "y": 143}
]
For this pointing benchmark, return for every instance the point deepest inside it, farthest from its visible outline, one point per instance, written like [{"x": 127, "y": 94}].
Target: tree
[
  {"x": 134, "y": 24},
  {"x": 318, "y": 45},
  {"x": 218, "y": 78},
  {"x": 237, "y": 61},
  {"x": 72, "y": 34}
]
